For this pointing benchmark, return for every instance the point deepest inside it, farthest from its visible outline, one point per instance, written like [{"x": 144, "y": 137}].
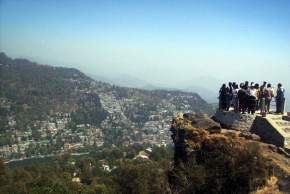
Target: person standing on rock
[
  {"x": 262, "y": 98},
  {"x": 223, "y": 97},
  {"x": 235, "y": 100},
  {"x": 242, "y": 95},
  {"x": 230, "y": 96},
  {"x": 269, "y": 94},
  {"x": 280, "y": 99},
  {"x": 252, "y": 99},
  {"x": 257, "y": 95}
]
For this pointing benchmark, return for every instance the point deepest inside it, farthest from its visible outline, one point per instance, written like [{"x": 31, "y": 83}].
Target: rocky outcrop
[
  {"x": 268, "y": 133},
  {"x": 272, "y": 129},
  {"x": 203, "y": 121},
  {"x": 221, "y": 162},
  {"x": 233, "y": 120}
]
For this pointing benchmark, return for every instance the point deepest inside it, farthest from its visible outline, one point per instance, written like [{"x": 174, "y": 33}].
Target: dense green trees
[
  {"x": 221, "y": 166},
  {"x": 33, "y": 92},
  {"x": 140, "y": 178},
  {"x": 55, "y": 176},
  {"x": 6, "y": 139}
]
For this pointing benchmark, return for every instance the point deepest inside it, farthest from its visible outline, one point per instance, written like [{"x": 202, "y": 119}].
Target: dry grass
[
  {"x": 197, "y": 137},
  {"x": 270, "y": 188}
]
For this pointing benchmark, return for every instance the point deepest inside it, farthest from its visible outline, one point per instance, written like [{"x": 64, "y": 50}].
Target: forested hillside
[
  {"x": 46, "y": 110},
  {"x": 30, "y": 92}
]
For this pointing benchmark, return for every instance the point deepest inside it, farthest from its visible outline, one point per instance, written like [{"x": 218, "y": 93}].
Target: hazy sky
[{"x": 158, "y": 41}]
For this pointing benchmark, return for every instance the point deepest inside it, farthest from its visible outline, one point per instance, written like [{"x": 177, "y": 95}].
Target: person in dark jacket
[
  {"x": 230, "y": 96},
  {"x": 242, "y": 95},
  {"x": 235, "y": 100},
  {"x": 223, "y": 97},
  {"x": 280, "y": 99}
]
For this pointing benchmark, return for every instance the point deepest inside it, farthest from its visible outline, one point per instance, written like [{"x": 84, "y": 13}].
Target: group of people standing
[{"x": 250, "y": 97}]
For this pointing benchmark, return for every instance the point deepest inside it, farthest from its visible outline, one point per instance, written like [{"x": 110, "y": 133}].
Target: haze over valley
[{"x": 127, "y": 97}]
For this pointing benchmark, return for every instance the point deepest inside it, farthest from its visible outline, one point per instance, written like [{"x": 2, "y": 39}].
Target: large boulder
[
  {"x": 203, "y": 121},
  {"x": 233, "y": 120},
  {"x": 250, "y": 136}
]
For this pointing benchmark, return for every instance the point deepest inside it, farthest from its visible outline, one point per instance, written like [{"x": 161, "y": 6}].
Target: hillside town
[{"x": 124, "y": 125}]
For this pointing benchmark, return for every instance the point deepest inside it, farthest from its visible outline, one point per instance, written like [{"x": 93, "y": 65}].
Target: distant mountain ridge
[
  {"x": 125, "y": 80},
  {"x": 204, "y": 86}
]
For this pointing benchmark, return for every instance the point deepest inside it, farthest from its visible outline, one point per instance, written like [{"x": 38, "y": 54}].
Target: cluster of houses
[
  {"x": 54, "y": 135},
  {"x": 50, "y": 137},
  {"x": 154, "y": 131}
]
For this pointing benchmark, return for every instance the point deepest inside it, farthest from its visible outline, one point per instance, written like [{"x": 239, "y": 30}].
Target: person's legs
[
  {"x": 240, "y": 105},
  {"x": 262, "y": 105},
  {"x": 250, "y": 105},
  {"x": 268, "y": 101},
  {"x": 283, "y": 106},
  {"x": 253, "y": 111},
  {"x": 228, "y": 103},
  {"x": 254, "y": 102},
  {"x": 224, "y": 104},
  {"x": 235, "y": 103},
  {"x": 278, "y": 105},
  {"x": 244, "y": 106}
]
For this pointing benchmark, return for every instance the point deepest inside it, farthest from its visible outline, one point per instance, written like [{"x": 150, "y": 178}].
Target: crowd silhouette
[{"x": 251, "y": 97}]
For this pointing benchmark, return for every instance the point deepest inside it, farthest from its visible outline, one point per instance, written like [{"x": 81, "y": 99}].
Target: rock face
[
  {"x": 272, "y": 129},
  {"x": 233, "y": 120},
  {"x": 249, "y": 135},
  {"x": 286, "y": 118},
  {"x": 270, "y": 135},
  {"x": 202, "y": 121},
  {"x": 221, "y": 162}
]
